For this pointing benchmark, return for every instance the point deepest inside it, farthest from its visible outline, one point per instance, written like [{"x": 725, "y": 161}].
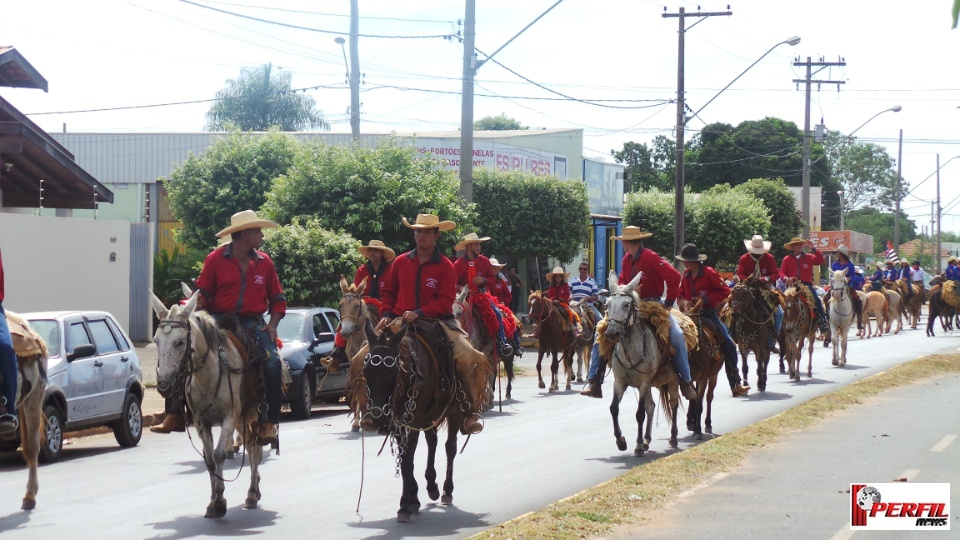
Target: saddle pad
[
  {"x": 950, "y": 294},
  {"x": 26, "y": 342}
]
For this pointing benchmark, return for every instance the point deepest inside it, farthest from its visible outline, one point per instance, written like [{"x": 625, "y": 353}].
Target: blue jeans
[
  {"x": 680, "y": 361},
  {"x": 501, "y": 334},
  {"x": 777, "y": 323},
  {"x": 271, "y": 367},
  {"x": 8, "y": 365},
  {"x": 728, "y": 346},
  {"x": 818, "y": 307}
]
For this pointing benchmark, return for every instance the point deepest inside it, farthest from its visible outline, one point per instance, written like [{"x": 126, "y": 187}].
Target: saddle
[
  {"x": 430, "y": 334},
  {"x": 26, "y": 342},
  {"x": 254, "y": 386},
  {"x": 658, "y": 317}
]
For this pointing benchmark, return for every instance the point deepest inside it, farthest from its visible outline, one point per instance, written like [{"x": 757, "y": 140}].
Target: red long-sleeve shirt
[
  {"x": 768, "y": 267},
  {"x": 373, "y": 286},
  {"x": 559, "y": 292},
  {"x": 467, "y": 269},
  {"x": 657, "y": 273},
  {"x": 707, "y": 282},
  {"x": 225, "y": 289},
  {"x": 802, "y": 266},
  {"x": 501, "y": 290},
  {"x": 429, "y": 288}
]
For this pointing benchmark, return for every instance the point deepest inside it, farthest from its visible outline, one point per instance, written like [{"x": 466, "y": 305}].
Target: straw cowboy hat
[
  {"x": 880, "y": 264},
  {"x": 471, "y": 238},
  {"x": 246, "y": 220},
  {"x": 794, "y": 240},
  {"x": 843, "y": 249},
  {"x": 388, "y": 253},
  {"x": 429, "y": 221},
  {"x": 496, "y": 264},
  {"x": 690, "y": 253},
  {"x": 904, "y": 261},
  {"x": 633, "y": 233},
  {"x": 757, "y": 245},
  {"x": 556, "y": 272},
  {"x": 951, "y": 259}
]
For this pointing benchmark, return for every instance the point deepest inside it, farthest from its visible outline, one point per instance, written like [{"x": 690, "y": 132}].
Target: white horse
[
  {"x": 841, "y": 316},
  {"x": 196, "y": 356}
]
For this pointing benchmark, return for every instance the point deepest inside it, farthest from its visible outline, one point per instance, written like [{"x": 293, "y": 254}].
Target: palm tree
[{"x": 260, "y": 99}]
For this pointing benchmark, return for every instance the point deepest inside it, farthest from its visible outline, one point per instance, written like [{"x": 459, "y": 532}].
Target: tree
[
  {"x": 653, "y": 212},
  {"x": 648, "y": 167},
  {"x": 866, "y": 172},
  {"x": 531, "y": 216},
  {"x": 310, "y": 261},
  {"x": 260, "y": 99},
  {"x": 785, "y": 219},
  {"x": 497, "y": 123},
  {"x": 873, "y": 221},
  {"x": 234, "y": 174},
  {"x": 170, "y": 270},
  {"x": 365, "y": 191}
]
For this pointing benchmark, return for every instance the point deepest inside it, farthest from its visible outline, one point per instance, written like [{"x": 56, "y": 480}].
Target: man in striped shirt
[{"x": 585, "y": 287}]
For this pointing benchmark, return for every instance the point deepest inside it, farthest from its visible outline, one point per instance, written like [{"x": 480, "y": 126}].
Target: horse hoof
[
  {"x": 638, "y": 452},
  {"x": 708, "y": 429},
  {"x": 834, "y": 362},
  {"x": 403, "y": 517},
  {"x": 674, "y": 443},
  {"x": 621, "y": 444},
  {"x": 540, "y": 385},
  {"x": 691, "y": 426},
  {"x": 354, "y": 429},
  {"x": 553, "y": 388},
  {"x": 446, "y": 500},
  {"x": 646, "y": 445},
  {"x": 809, "y": 373},
  {"x": 509, "y": 396},
  {"x": 28, "y": 504},
  {"x": 579, "y": 379},
  {"x": 250, "y": 503},
  {"x": 413, "y": 508},
  {"x": 216, "y": 509},
  {"x": 698, "y": 436},
  {"x": 568, "y": 388},
  {"x": 433, "y": 492}
]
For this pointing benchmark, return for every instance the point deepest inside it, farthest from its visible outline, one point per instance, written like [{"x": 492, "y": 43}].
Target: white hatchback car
[{"x": 94, "y": 377}]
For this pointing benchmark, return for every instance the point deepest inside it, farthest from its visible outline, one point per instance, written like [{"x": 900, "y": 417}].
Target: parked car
[
  {"x": 94, "y": 378},
  {"x": 307, "y": 335}
]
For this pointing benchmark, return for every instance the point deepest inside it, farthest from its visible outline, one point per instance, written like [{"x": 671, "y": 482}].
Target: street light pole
[
  {"x": 896, "y": 214},
  {"x": 840, "y": 193}
]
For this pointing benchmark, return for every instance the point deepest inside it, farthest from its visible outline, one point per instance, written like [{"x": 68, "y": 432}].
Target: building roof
[
  {"x": 16, "y": 72},
  {"x": 912, "y": 248}
]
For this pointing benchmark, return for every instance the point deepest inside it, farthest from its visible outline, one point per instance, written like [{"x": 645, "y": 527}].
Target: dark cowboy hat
[{"x": 690, "y": 253}]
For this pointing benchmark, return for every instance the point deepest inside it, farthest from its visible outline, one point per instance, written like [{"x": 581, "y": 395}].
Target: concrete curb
[{"x": 148, "y": 421}]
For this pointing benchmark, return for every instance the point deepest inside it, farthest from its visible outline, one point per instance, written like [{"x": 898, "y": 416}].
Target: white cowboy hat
[
  {"x": 495, "y": 263},
  {"x": 246, "y": 220},
  {"x": 471, "y": 238},
  {"x": 633, "y": 233},
  {"x": 859, "y": 269},
  {"x": 556, "y": 272},
  {"x": 429, "y": 221},
  {"x": 843, "y": 249},
  {"x": 377, "y": 245},
  {"x": 757, "y": 245}
]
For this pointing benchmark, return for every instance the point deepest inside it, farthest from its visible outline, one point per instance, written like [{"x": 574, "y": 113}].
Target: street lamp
[
  {"x": 353, "y": 75},
  {"x": 678, "y": 224},
  {"x": 840, "y": 193},
  {"x": 895, "y": 108}
]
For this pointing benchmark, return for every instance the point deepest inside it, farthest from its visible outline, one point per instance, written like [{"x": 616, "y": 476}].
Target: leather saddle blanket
[
  {"x": 950, "y": 294},
  {"x": 26, "y": 342},
  {"x": 658, "y": 317}
]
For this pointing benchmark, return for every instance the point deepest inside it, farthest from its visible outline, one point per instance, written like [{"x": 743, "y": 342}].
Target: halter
[
  {"x": 185, "y": 366},
  {"x": 350, "y": 296}
]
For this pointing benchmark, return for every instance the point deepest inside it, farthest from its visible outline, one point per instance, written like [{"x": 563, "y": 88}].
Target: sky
[{"x": 109, "y": 54}]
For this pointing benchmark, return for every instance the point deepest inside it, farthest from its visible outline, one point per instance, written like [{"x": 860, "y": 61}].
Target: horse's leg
[
  {"x": 697, "y": 409},
  {"x": 554, "y": 369},
  {"x": 744, "y": 356},
  {"x": 618, "y": 389},
  {"x": 540, "y": 352},
  {"x": 673, "y": 394},
  {"x": 31, "y": 424},
  {"x": 843, "y": 350},
  {"x": 433, "y": 490},
  {"x": 508, "y": 368},
  {"x": 255, "y": 456},
  {"x": 218, "y": 505},
  {"x": 836, "y": 344},
  {"x": 451, "y": 448},
  {"x": 812, "y": 338},
  {"x": 651, "y": 407},
  {"x": 932, "y": 316},
  {"x": 641, "y": 415},
  {"x": 708, "y": 421},
  {"x": 763, "y": 359},
  {"x": 409, "y": 503},
  {"x": 567, "y": 359}
]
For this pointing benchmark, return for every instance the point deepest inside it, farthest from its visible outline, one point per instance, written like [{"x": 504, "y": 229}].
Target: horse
[
  {"x": 894, "y": 311},
  {"x": 940, "y": 307},
  {"x": 405, "y": 396},
  {"x": 32, "y": 385},
  {"x": 799, "y": 324},
  {"x": 751, "y": 320},
  {"x": 705, "y": 363},
  {"x": 841, "y": 316},
  {"x": 354, "y": 313},
  {"x": 585, "y": 342},
  {"x": 911, "y": 308},
  {"x": 874, "y": 303},
  {"x": 195, "y": 355},
  {"x": 638, "y": 361},
  {"x": 472, "y": 322},
  {"x": 553, "y": 338}
]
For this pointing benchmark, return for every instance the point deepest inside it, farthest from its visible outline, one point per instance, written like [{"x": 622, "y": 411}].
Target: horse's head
[
  {"x": 459, "y": 304},
  {"x": 536, "y": 304},
  {"x": 621, "y": 305},
  {"x": 838, "y": 283},
  {"x": 351, "y": 305},
  {"x": 381, "y": 372},
  {"x": 173, "y": 341},
  {"x": 792, "y": 304}
]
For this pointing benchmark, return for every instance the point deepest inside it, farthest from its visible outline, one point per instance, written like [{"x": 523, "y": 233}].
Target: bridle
[
  {"x": 185, "y": 367},
  {"x": 350, "y": 297}
]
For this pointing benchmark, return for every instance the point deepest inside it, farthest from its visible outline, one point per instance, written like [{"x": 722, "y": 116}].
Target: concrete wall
[{"x": 57, "y": 264}]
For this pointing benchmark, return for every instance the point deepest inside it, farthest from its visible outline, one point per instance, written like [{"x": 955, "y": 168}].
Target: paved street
[{"x": 541, "y": 448}]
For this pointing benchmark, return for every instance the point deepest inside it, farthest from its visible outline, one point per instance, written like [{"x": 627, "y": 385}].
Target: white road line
[
  {"x": 944, "y": 443},
  {"x": 843, "y": 534}
]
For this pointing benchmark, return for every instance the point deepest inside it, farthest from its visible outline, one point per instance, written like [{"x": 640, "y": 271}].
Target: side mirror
[
  {"x": 325, "y": 337},
  {"x": 82, "y": 351}
]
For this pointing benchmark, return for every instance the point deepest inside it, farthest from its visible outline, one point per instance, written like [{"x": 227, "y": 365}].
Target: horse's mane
[
  {"x": 352, "y": 288},
  {"x": 535, "y": 294},
  {"x": 212, "y": 334}
]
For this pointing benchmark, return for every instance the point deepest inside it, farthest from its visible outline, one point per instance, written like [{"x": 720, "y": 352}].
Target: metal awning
[{"x": 16, "y": 72}]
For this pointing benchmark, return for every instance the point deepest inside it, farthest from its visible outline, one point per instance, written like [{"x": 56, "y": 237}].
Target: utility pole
[
  {"x": 354, "y": 69},
  {"x": 678, "y": 185},
  {"x": 939, "y": 210},
  {"x": 466, "y": 114},
  {"x": 805, "y": 192},
  {"x": 896, "y": 215}
]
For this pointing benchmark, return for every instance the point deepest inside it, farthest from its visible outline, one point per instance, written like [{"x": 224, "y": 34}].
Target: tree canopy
[
  {"x": 260, "y": 99},
  {"x": 501, "y": 122},
  {"x": 652, "y": 167},
  {"x": 879, "y": 224},
  {"x": 866, "y": 172},
  {"x": 785, "y": 219},
  {"x": 531, "y": 216}
]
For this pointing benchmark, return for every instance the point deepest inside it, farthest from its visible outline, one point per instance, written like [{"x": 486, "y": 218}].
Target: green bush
[
  {"x": 169, "y": 270},
  {"x": 653, "y": 212},
  {"x": 721, "y": 220},
  {"x": 785, "y": 220}
]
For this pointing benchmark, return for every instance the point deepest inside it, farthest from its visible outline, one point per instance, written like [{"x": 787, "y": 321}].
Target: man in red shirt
[
  {"x": 759, "y": 263},
  {"x": 423, "y": 283},
  {"x": 8, "y": 367},
  {"x": 658, "y": 276},
  {"x": 702, "y": 281},
  {"x": 500, "y": 286},
  {"x": 798, "y": 267},
  {"x": 475, "y": 271}
]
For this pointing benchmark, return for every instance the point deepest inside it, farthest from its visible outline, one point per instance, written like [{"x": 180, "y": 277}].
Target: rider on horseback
[
  {"x": 559, "y": 293},
  {"x": 952, "y": 271},
  {"x": 475, "y": 271},
  {"x": 876, "y": 280},
  {"x": 8, "y": 368},
  {"x": 500, "y": 288},
  {"x": 658, "y": 275},
  {"x": 843, "y": 263},
  {"x": 758, "y": 263},
  {"x": 584, "y": 288},
  {"x": 906, "y": 274},
  {"x": 799, "y": 266},
  {"x": 701, "y": 281}
]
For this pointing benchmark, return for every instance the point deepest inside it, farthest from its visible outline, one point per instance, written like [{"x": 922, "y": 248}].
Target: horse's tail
[{"x": 665, "y": 402}]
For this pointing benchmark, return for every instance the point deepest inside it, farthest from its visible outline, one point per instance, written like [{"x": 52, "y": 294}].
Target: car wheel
[
  {"x": 53, "y": 445},
  {"x": 129, "y": 428},
  {"x": 301, "y": 405}
]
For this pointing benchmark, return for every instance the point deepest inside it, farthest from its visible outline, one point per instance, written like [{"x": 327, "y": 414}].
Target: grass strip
[{"x": 634, "y": 495}]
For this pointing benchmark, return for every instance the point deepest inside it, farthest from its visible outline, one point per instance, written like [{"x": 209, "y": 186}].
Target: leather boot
[
  {"x": 267, "y": 434},
  {"x": 332, "y": 362},
  {"x": 687, "y": 390},
  {"x": 741, "y": 389},
  {"x": 593, "y": 389},
  {"x": 472, "y": 425},
  {"x": 171, "y": 422}
]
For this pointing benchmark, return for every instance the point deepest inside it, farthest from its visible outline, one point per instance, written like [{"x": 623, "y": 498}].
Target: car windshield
[
  {"x": 49, "y": 330},
  {"x": 291, "y": 327}
]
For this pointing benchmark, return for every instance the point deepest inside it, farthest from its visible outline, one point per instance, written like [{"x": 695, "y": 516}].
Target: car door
[
  {"x": 322, "y": 330},
  {"x": 115, "y": 362},
  {"x": 84, "y": 384}
]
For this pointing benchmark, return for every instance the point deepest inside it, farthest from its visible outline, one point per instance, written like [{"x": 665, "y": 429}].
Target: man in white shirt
[
  {"x": 917, "y": 276},
  {"x": 585, "y": 287}
]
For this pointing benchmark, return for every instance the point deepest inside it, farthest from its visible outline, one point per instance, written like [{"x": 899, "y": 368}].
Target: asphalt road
[{"x": 541, "y": 448}]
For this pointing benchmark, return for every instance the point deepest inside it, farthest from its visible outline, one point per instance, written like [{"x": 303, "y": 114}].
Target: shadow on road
[
  {"x": 237, "y": 522},
  {"x": 433, "y": 520},
  {"x": 16, "y": 520},
  {"x": 767, "y": 396}
]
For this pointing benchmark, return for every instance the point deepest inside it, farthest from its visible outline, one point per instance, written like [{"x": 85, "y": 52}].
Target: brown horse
[
  {"x": 472, "y": 322},
  {"x": 752, "y": 322},
  {"x": 583, "y": 346},
  {"x": 705, "y": 363},
  {"x": 32, "y": 363},
  {"x": 910, "y": 306},
  {"x": 354, "y": 314},
  {"x": 553, "y": 338},
  {"x": 799, "y": 324}
]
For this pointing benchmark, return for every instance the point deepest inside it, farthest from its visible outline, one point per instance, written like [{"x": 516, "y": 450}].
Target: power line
[{"x": 304, "y": 12}]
